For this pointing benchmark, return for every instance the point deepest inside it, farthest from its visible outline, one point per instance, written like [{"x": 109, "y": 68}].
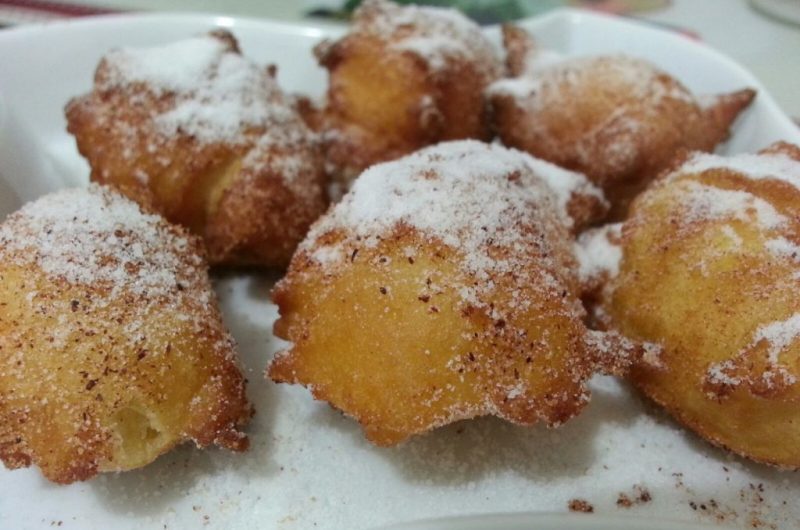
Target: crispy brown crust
[
  {"x": 702, "y": 287},
  {"x": 386, "y": 101},
  {"x": 204, "y": 186},
  {"x": 595, "y": 121},
  {"x": 91, "y": 382},
  {"x": 406, "y": 329},
  {"x": 309, "y": 296}
]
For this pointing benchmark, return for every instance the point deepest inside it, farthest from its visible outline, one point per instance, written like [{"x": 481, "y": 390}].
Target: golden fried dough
[
  {"x": 400, "y": 79},
  {"x": 617, "y": 119},
  {"x": 710, "y": 270},
  {"x": 208, "y": 139},
  {"x": 112, "y": 348},
  {"x": 441, "y": 288}
]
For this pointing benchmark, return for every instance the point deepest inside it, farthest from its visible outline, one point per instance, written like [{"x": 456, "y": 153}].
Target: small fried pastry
[
  {"x": 402, "y": 78},
  {"x": 112, "y": 348},
  {"x": 710, "y": 270},
  {"x": 207, "y": 138},
  {"x": 442, "y": 287},
  {"x": 617, "y": 119}
]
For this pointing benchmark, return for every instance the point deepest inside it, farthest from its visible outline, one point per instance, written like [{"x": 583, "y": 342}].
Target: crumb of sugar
[
  {"x": 782, "y": 247},
  {"x": 597, "y": 252},
  {"x": 720, "y": 374},
  {"x": 517, "y": 87},
  {"x": 730, "y": 232},
  {"x": 436, "y": 34},
  {"x": 779, "y": 336}
]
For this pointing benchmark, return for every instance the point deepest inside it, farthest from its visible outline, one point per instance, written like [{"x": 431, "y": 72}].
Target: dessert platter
[{"x": 409, "y": 274}]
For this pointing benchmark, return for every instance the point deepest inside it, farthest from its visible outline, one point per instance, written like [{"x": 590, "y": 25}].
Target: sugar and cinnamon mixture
[
  {"x": 547, "y": 72},
  {"x": 95, "y": 237},
  {"x": 204, "y": 90},
  {"x": 727, "y": 208},
  {"x": 623, "y": 97},
  {"x": 218, "y": 93},
  {"x": 438, "y": 35},
  {"x": 105, "y": 245},
  {"x": 110, "y": 278},
  {"x": 471, "y": 196}
]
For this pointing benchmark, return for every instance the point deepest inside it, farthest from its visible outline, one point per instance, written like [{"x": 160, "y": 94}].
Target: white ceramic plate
[{"x": 308, "y": 466}]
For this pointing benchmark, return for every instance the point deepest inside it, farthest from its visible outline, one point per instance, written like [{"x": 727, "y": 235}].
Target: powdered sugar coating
[
  {"x": 754, "y": 166},
  {"x": 104, "y": 305},
  {"x": 566, "y": 90},
  {"x": 96, "y": 237},
  {"x": 467, "y": 194},
  {"x": 641, "y": 79},
  {"x": 218, "y": 93},
  {"x": 598, "y": 253},
  {"x": 437, "y": 35},
  {"x": 212, "y": 144},
  {"x": 704, "y": 202}
]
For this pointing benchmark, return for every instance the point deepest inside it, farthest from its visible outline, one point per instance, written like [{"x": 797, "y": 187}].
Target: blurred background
[{"x": 761, "y": 35}]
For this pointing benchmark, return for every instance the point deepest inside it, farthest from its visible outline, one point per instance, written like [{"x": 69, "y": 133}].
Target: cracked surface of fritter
[
  {"x": 442, "y": 287},
  {"x": 208, "y": 139},
  {"x": 112, "y": 348},
  {"x": 710, "y": 270}
]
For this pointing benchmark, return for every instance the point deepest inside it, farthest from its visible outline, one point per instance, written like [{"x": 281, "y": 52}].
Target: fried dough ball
[
  {"x": 208, "y": 139},
  {"x": 617, "y": 119},
  {"x": 402, "y": 78},
  {"x": 441, "y": 288},
  {"x": 710, "y": 270},
  {"x": 112, "y": 348}
]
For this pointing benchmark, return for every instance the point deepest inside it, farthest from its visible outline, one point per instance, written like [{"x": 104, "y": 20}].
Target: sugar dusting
[
  {"x": 754, "y": 166},
  {"x": 776, "y": 337},
  {"x": 436, "y": 34},
  {"x": 309, "y": 466},
  {"x": 218, "y": 93},
  {"x": 779, "y": 336},
  {"x": 599, "y": 253},
  {"x": 641, "y": 80},
  {"x": 202, "y": 92},
  {"x": 704, "y": 202},
  {"x": 469, "y": 195},
  {"x": 96, "y": 237}
]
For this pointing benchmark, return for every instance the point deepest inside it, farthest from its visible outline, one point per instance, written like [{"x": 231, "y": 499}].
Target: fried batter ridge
[
  {"x": 710, "y": 269},
  {"x": 403, "y": 77},
  {"x": 209, "y": 140},
  {"x": 112, "y": 347},
  {"x": 443, "y": 287},
  {"x": 617, "y": 119}
]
